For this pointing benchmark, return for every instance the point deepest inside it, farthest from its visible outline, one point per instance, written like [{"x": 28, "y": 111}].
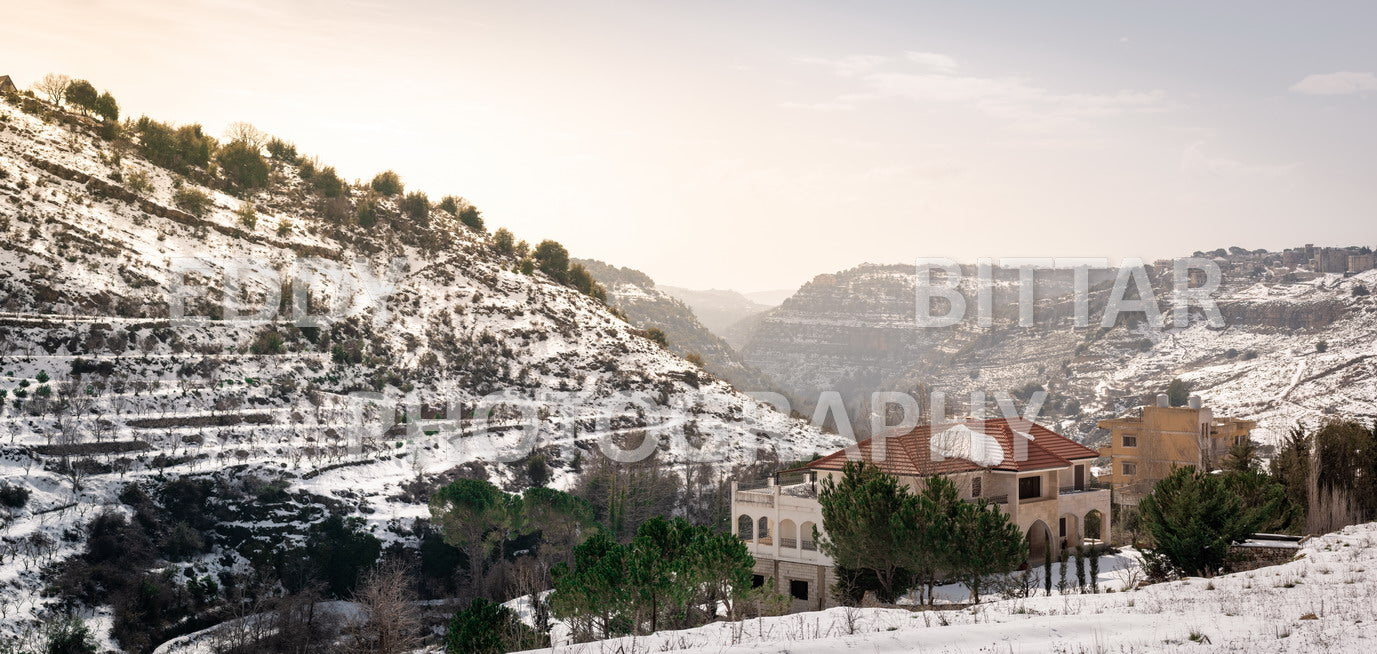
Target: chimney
[
  {"x": 1162, "y": 400},
  {"x": 1194, "y": 402}
]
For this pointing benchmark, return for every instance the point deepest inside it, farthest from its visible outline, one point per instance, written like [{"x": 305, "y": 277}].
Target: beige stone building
[
  {"x": 1148, "y": 446},
  {"x": 1038, "y": 477}
]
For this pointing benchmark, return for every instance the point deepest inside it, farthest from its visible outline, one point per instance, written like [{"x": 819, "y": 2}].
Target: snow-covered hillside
[
  {"x": 139, "y": 341},
  {"x": 1321, "y": 602},
  {"x": 645, "y": 305},
  {"x": 856, "y": 332}
]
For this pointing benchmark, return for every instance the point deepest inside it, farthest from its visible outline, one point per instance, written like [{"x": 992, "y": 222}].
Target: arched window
[
  {"x": 743, "y": 527},
  {"x": 788, "y": 534},
  {"x": 805, "y": 537},
  {"x": 763, "y": 529}
]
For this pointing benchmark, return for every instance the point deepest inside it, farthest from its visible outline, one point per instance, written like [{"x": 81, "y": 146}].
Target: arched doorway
[
  {"x": 1039, "y": 541},
  {"x": 1094, "y": 525},
  {"x": 805, "y": 536}
]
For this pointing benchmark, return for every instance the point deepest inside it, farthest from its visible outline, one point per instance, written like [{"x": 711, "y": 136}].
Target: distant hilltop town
[{"x": 1291, "y": 264}]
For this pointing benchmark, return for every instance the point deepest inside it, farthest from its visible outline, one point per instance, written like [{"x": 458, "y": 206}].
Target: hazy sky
[{"x": 753, "y": 145}]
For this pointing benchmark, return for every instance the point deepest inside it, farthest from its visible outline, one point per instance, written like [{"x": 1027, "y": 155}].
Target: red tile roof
[{"x": 965, "y": 446}]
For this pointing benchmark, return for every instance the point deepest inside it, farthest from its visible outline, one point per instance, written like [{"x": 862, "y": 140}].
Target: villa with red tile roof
[{"x": 1040, "y": 478}]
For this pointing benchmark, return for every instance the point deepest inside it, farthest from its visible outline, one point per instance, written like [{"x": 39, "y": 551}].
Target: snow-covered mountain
[
  {"x": 154, "y": 340},
  {"x": 719, "y": 310},
  {"x": 647, "y": 306},
  {"x": 856, "y": 331}
]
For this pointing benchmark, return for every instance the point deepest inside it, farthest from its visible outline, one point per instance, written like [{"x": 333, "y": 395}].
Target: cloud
[
  {"x": 930, "y": 77},
  {"x": 1012, "y": 98},
  {"x": 1196, "y": 161},
  {"x": 935, "y": 62},
  {"x": 849, "y": 66},
  {"x": 1340, "y": 83}
]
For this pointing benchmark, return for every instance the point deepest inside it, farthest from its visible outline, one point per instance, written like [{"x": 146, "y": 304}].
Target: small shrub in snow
[
  {"x": 191, "y": 200},
  {"x": 282, "y": 150},
  {"x": 14, "y": 497},
  {"x": 242, "y": 165},
  {"x": 138, "y": 182},
  {"x": 248, "y": 216},
  {"x": 388, "y": 183},
  {"x": 416, "y": 206}
]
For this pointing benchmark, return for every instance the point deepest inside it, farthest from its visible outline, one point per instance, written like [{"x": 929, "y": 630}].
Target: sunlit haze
[{"x": 752, "y": 145}]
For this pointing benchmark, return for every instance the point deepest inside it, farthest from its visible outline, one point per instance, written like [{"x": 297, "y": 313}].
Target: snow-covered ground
[{"x": 1325, "y": 601}]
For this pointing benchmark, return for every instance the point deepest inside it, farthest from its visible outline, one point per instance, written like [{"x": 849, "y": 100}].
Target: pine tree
[
  {"x": 1061, "y": 573},
  {"x": 1243, "y": 457},
  {"x": 553, "y": 260},
  {"x": 933, "y": 517},
  {"x": 869, "y": 522},
  {"x": 1291, "y": 467},
  {"x": 106, "y": 107},
  {"x": 989, "y": 543},
  {"x": 1080, "y": 568},
  {"x": 1047, "y": 570},
  {"x": 474, "y": 516},
  {"x": 1095, "y": 553},
  {"x": 82, "y": 95},
  {"x": 591, "y": 594},
  {"x": 1192, "y": 517},
  {"x": 1178, "y": 392}
]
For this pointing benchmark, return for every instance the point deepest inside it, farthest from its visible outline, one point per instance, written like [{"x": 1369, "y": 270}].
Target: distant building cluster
[
  {"x": 1346, "y": 260},
  {"x": 1291, "y": 264}
]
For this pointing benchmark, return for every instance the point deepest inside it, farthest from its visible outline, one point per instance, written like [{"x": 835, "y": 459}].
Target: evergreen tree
[
  {"x": 449, "y": 204},
  {"x": 658, "y": 336},
  {"x": 471, "y": 217},
  {"x": 869, "y": 522},
  {"x": 1243, "y": 457},
  {"x": 1061, "y": 573},
  {"x": 1047, "y": 570},
  {"x": 106, "y": 107},
  {"x": 592, "y": 594},
  {"x": 474, "y": 516},
  {"x": 387, "y": 183},
  {"x": 1095, "y": 554},
  {"x": 933, "y": 516},
  {"x": 70, "y": 636},
  {"x": 417, "y": 206},
  {"x": 553, "y": 260},
  {"x": 657, "y": 564},
  {"x": 328, "y": 182},
  {"x": 338, "y": 550},
  {"x": 1291, "y": 467},
  {"x": 488, "y": 628},
  {"x": 561, "y": 519},
  {"x": 1178, "y": 392},
  {"x": 1257, "y": 489},
  {"x": 1193, "y": 517},
  {"x": 503, "y": 242},
  {"x": 1080, "y": 568},
  {"x": 242, "y": 164},
  {"x": 82, "y": 95},
  {"x": 988, "y": 543}
]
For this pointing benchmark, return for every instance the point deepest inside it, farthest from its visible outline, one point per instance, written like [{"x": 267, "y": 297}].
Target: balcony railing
[
  {"x": 1003, "y": 499},
  {"x": 788, "y": 543},
  {"x": 1088, "y": 487},
  {"x": 810, "y": 546},
  {"x": 749, "y": 497}
]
